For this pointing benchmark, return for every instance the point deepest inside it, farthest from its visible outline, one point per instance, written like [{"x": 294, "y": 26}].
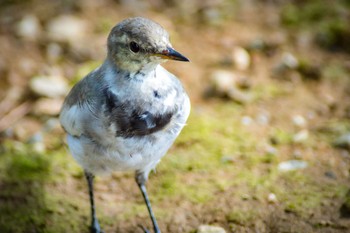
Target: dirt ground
[{"x": 287, "y": 103}]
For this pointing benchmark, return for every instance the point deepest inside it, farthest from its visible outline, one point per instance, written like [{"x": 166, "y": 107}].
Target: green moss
[
  {"x": 281, "y": 136},
  {"x": 243, "y": 217}
]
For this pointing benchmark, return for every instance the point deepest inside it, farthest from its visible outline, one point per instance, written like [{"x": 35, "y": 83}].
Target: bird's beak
[{"x": 171, "y": 54}]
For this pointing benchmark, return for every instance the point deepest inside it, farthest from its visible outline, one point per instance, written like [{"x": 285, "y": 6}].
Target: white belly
[{"x": 126, "y": 154}]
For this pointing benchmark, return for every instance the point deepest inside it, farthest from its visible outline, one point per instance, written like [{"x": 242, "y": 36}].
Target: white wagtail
[{"x": 125, "y": 115}]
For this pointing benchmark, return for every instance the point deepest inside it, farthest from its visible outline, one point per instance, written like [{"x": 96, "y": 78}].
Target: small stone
[
  {"x": 39, "y": 147},
  {"x": 270, "y": 150},
  {"x": 210, "y": 229},
  {"x": 271, "y": 198},
  {"x": 343, "y": 141},
  {"x": 239, "y": 96},
  {"x": 52, "y": 124},
  {"x": 287, "y": 62},
  {"x": 53, "y": 51},
  {"x": 263, "y": 119},
  {"x": 245, "y": 197},
  {"x": 290, "y": 60},
  {"x": 29, "y": 27},
  {"x": 301, "y": 136},
  {"x": 241, "y": 58},
  {"x": 299, "y": 121},
  {"x": 25, "y": 128},
  {"x": 246, "y": 120},
  {"x": 47, "y": 106},
  {"x": 223, "y": 81},
  {"x": 49, "y": 86},
  {"x": 67, "y": 28},
  {"x": 331, "y": 175},
  {"x": 227, "y": 159},
  {"x": 297, "y": 154},
  {"x": 292, "y": 165}
]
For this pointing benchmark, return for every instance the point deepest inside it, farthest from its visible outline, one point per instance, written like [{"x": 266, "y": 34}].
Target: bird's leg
[
  {"x": 95, "y": 226},
  {"x": 141, "y": 178}
]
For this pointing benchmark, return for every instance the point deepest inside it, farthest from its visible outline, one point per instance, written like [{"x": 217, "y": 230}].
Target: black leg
[
  {"x": 141, "y": 181},
  {"x": 95, "y": 226}
]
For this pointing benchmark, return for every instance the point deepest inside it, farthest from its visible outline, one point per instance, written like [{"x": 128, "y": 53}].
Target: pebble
[
  {"x": 292, "y": 165},
  {"x": 223, "y": 81},
  {"x": 229, "y": 85},
  {"x": 53, "y": 51},
  {"x": 246, "y": 120},
  {"x": 343, "y": 141},
  {"x": 241, "y": 58},
  {"x": 210, "y": 229},
  {"x": 271, "y": 198},
  {"x": 301, "y": 136},
  {"x": 51, "y": 125},
  {"x": 263, "y": 119},
  {"x": 287, "y": 62},
  {"x": 47, "y": 106},
  {"x": 239, "y": 96},
  {"x": 299, "y": 121},
  {"x": 290, "y": 60},
  {"x": 271, "y": 150},
  {"x": 67, "y": 28},
  {"x": 49, "y": 86},
  {"x": 29, "y": 27}
]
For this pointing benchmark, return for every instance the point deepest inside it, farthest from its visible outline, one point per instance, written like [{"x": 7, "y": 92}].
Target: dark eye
[{"x": 134, "y": 47}]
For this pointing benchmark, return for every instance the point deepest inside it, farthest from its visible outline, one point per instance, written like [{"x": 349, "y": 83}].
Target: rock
[
  {"x": 67, "y": 28},
  {"x": 47, "y": 106},
  {"x": 299, "y": 121},
  {"x": 263, "y": 119},
  {"x": 290, "y": 61},
  {"x": 260, "y": 45},
  {"x": 49, "y": 86},
  {"x": 287, "y": 62},
  {"x": 210, "y": 229},
  {"x": 239, "y": 96},
  {"x": 241, "y": 58},
  {"x": 343, "y": 141},
  {"x": 292, "y": 165},
  {"x": 53, "y": 51},
  {"x": 301, "y": 136},
  {"x": 228, "y": 159},
  {"x": 227, "y": 84},
  {"x": 29, "y": 27},
  {"x": 246, "y": 120},
  {"x": 38, "y": 142},
  {"x": 52, "y": 124},
  {"x": 270, "y": 150},
  {"x": 223, "y": 81},
  {"x": 271, "y": 198}
]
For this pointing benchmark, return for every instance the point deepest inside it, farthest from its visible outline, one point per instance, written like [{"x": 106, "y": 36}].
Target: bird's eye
[{"x": 134, "y": 47}]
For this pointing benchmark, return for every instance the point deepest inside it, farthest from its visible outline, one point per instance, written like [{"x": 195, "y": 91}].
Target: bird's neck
[{"x": 139, "y": 75}]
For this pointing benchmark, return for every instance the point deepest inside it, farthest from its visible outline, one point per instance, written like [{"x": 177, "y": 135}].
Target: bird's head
[{"x": 137, "y": 43}]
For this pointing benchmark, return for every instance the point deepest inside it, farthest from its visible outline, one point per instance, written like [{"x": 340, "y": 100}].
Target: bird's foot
[
  {"x": 94, "y": 230},
  {"x": 95, "y": 227}
]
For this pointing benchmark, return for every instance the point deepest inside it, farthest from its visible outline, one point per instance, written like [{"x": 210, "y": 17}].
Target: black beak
[{"x": 172, "y": 54}]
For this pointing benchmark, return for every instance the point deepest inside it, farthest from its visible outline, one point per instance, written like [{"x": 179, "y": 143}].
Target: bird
[{"x": 127, "y": 113}]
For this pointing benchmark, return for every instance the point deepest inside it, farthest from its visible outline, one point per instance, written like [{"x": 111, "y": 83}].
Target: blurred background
[{"x": 266, "y": 148}]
